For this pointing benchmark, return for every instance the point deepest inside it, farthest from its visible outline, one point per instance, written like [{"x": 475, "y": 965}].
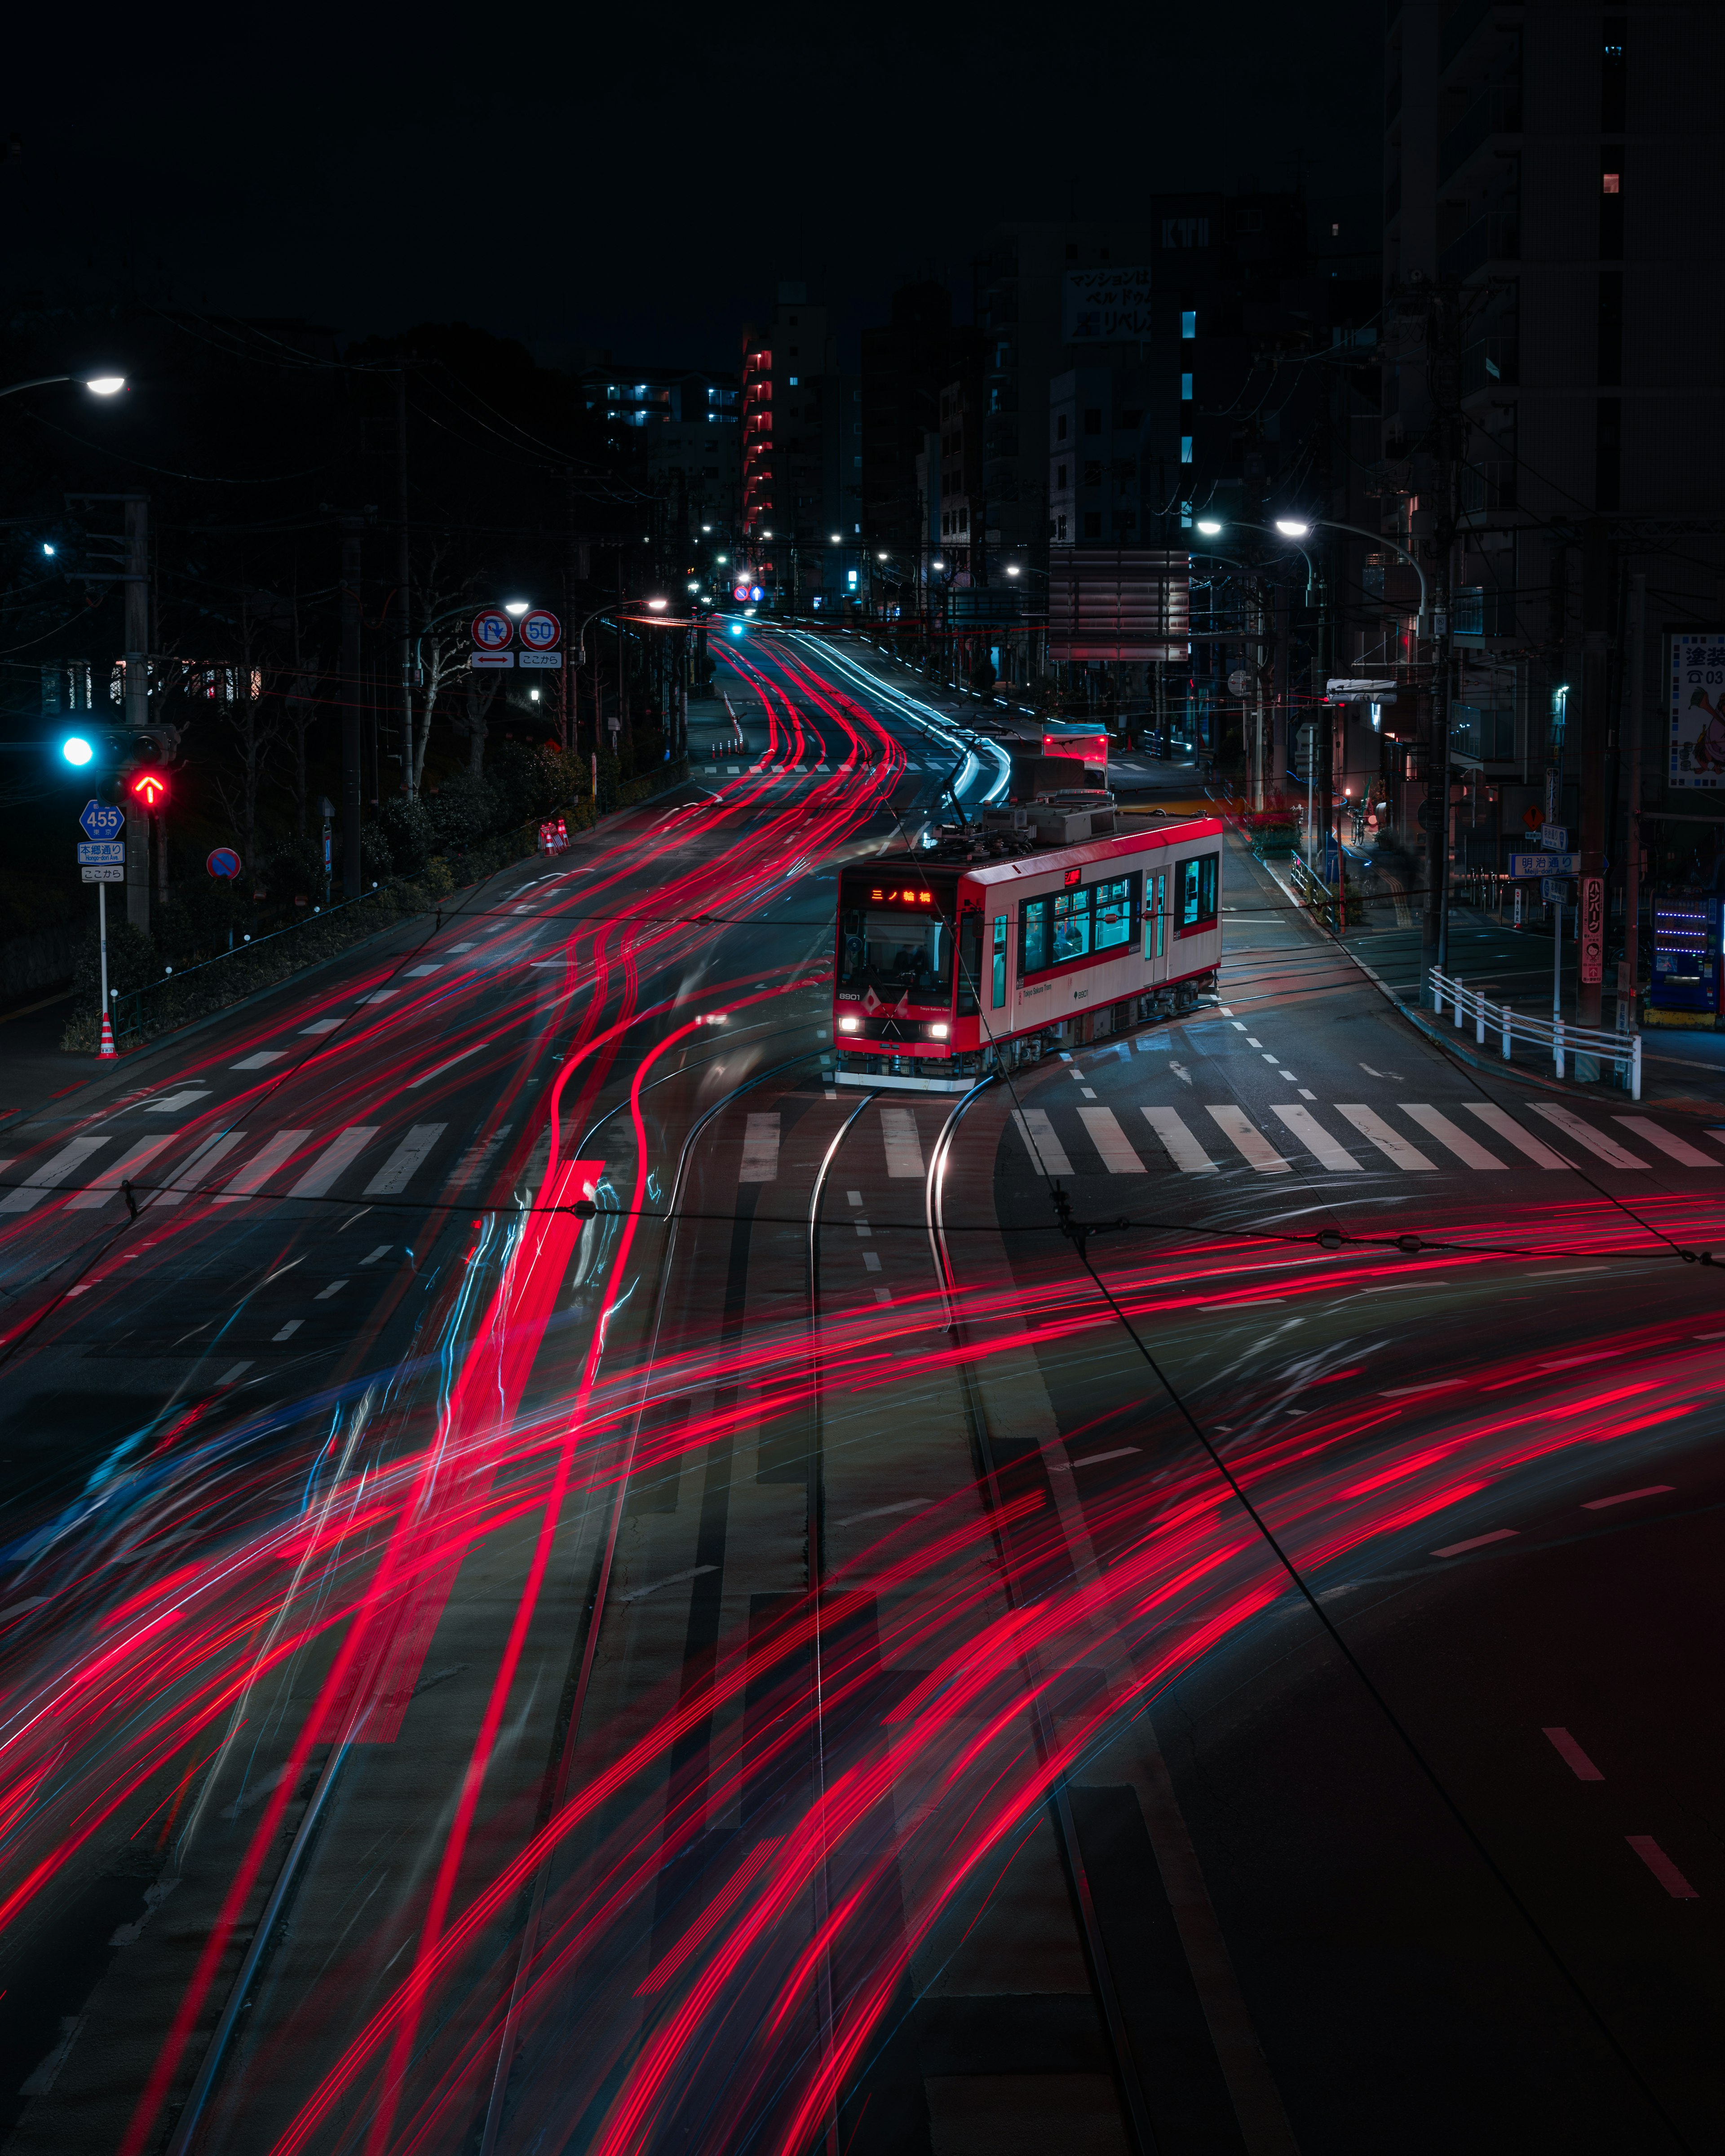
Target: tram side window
[
  {"x": 998, "y": 955},
  {"x": 1197, "y": 891},
  {"x": 1033, "y": 936},
  {"x": 1071, "y": 926},
  {"x": 1113, "y": 904},
  {"x": 970, "y": 964}
]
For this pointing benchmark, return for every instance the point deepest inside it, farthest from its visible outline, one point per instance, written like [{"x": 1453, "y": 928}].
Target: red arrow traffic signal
[{"x": 150, "y": 787}]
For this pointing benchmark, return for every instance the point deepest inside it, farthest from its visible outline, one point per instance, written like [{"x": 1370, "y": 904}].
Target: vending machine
[{"x": 1685, "y": 928}]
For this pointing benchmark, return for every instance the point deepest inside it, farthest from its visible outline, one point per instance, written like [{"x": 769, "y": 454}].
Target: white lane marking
[
  {"x": 1506, "y": 1125},
  {"x": 760, "y": 1149},
  {"x": 1239, "y": 1025},
  {"x": 1269, "y": 1058},
  {"x": 339, "y": 1154},
  {"x": 1625, "y": 1497},
  {"x": 371, "y": 1257},
  {"x": 1252, "y": 1041},
  {"x": 1181, "y": 1072},
  {"x": 171, "y": 1101},
  {"x": 322, "y": 1025},
  {"x": 1389, "y": 1142},
  {"x": 884, "y": 1512},
  {"x": 1573, "y": 1756},
  {"x": 1467, "y": 1150},
  {"x": 1315, "y": 1139},
  {"x": 397, "y": 1172},
  {"x": 234, "y": 1372},
  {"x": 1649, "y": 1133},
  {"x": 51, "y": 1173},
  {"x": 1091, "y": 1459},
  {"x": 1187, "y": 1154},
  {"x": 675, "y": 1579},
  {"x": 107, "y": 1183},
  {"x": 1088, "y": 1091},
  {"x": 1661, "y": 1866},
  {"x": 1305, "y": 1094},
  {"x": 378, "y": 996},
  {"x": 413, "y": 1084},
  {"x": 1251, "y": 1142},
  {"x": 262, "y": 1166},
  {"x": 463, "y": 947},
  {"x": 1567, "y": 1272},
  {"x": 863, "y": 1229},
  {"x": 288, "y": 1330},
  {"x": 1235, "y": 1302},
  {"x": 1288, "y": 1075},
  {"x": 872, "y": 1260},
  {"x": 1371, "y": 1073},
  {"x": 1039, "y": 1134},
  {"x": 418, "y": 972},
  {"x": 257, "y": 1062},
  {"x": 212, "y": 1151},
  {"x": 1110, "y": 1141},
  {"x": 334, "y": 1288},
  {"x": 852, "y": 1198},
  {"x": 1431, "y": 1385},
  {"x": 1596, "y": 1141},
  {"x": 1477, "y": 1542},
  {"x": 477, "y": 1158},
  {"x": 904, "y": 1150}
]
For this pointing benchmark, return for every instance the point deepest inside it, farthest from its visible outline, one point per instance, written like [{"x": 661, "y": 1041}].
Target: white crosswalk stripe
[
  {"x": 1648, "y": 1132},
  {"x": 1252, "y": 1143},
  {"x": 396, "y": 1172},
  {"x": 1389, "y": 1142},
  {"x": 1506, "y": 1125},
  {"x": 1316, "y": 1140},
  {"x": 1596, "y": 1141},
  {"x": 258, "y": 1171},
  {"x": 1187, "y": 1154},
  {"x": 50, "y": 1175},
  {"x": 1110, "y": 1141},
  {"x": 1038, "y": 1133},
  {"x": 1467, "y": 1149},
  {"x": 904, "y": 1149},
  {"x": 340, "y": 1153},
  {"x": 760, "y": 1149},
  {"x": 185, "y": 1178},
  {"x": 107, "y": 1185}
]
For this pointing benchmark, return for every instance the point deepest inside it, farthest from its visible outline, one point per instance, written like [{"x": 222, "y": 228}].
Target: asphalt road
[{"x": 1167, "y": 1605}]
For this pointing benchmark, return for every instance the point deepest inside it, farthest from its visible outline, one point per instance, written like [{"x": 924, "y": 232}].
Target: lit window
[
  {"x": 1185, "y": 388},
  {"x": 1612, "y": 182},
  {"x": 1185, "y": 448},
  {"x": 793, "y": 381},
  {"x": 1188, "y": 325}
]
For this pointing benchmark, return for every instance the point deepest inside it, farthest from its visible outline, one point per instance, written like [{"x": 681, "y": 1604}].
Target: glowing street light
[
  {"x": 1012, "y": 569},
  {"x": 936, "y": 565},
  {"x": 1293, "y": 527},
  {"x": 837, "y": 538},
  {"x": 517, "y": 607},
  {"x": 1209, "y": 528},
  {"x": 104, "y": 385},
  {"x": 658, "y": 606},
  {"x": 99, "y": 385}
]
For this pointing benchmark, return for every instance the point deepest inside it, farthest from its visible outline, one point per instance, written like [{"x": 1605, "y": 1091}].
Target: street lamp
[
  {"x": 99, "y": 385},
  {"x": 658, "y": 606},
  {"x": 1012, "y": 569},
  {"x": 516, "y": 608}
]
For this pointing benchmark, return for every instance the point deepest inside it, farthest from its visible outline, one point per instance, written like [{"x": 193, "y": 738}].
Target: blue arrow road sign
[{"x": 98, "y": 822}]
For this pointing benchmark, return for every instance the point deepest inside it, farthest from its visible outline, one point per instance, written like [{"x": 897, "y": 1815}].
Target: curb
[{"x": 1434, "y": 1034}]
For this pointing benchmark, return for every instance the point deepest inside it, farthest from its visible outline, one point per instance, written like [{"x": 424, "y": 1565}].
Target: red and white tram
[{"x": 976, "y": 955}]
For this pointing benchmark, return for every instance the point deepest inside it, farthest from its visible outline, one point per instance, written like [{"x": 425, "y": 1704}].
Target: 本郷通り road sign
[{"x": 103, "y": 853}]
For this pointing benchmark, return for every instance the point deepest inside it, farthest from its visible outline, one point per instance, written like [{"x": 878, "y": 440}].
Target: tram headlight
[
  {"x": 850, "y": 1025},
  {"x": 938, "y": 1032}
]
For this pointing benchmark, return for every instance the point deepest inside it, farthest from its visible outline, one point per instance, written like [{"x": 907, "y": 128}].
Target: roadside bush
[
  {"x": 408, "y": 831},
  {"x": 461, "y": 811}
]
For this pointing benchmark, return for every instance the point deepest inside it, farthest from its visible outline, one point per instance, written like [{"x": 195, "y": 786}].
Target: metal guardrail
[
  {"x": 1622, "y": 1050},
  {"x": 126, "y": 1008}
]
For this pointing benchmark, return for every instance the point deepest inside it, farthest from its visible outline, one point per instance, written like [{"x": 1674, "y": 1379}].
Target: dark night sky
[{"x": 639, "y": 179}]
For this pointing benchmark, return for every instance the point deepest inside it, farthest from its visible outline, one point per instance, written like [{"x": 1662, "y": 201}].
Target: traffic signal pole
[{"x": 137, "y": 702}]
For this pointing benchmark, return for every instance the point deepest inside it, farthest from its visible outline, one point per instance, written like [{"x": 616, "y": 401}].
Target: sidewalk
[{"x": 1512, "y": 967}]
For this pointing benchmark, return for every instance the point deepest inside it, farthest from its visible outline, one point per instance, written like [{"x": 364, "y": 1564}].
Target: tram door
[{"x": 1156, "y": 929}]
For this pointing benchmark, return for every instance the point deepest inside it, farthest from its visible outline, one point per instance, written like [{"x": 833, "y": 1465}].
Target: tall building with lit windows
[{"x": 802, "y": 441}]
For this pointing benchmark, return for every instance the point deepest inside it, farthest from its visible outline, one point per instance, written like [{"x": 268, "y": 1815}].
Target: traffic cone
[{"x": 107, "y": 1051}]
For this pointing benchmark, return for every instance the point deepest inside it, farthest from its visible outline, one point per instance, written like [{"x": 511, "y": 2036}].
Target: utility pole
[
  {"x": 1256, "y": 782},
  {"x": 1632, "y": 866},
  {"x": 352, "y": 858},
  {"x": 625, "y": 739},
  {"x": 137, "y": 702},
  {"x": 1595, "y": 639},
  {"x": 403, "y": 576}
]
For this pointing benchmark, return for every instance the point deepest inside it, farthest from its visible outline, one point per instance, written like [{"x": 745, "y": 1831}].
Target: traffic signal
[{"x": 149, "y": 787}]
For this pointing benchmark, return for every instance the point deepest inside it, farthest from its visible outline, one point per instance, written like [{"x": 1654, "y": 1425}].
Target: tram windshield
[{"x": 892, "y": 939}]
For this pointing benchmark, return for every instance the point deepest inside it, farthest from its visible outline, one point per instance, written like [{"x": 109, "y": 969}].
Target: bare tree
[
  {"x": 440, "y": 650},
  {"x": 300, "y": 709},
  {"x": 482, "y": 690}
]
